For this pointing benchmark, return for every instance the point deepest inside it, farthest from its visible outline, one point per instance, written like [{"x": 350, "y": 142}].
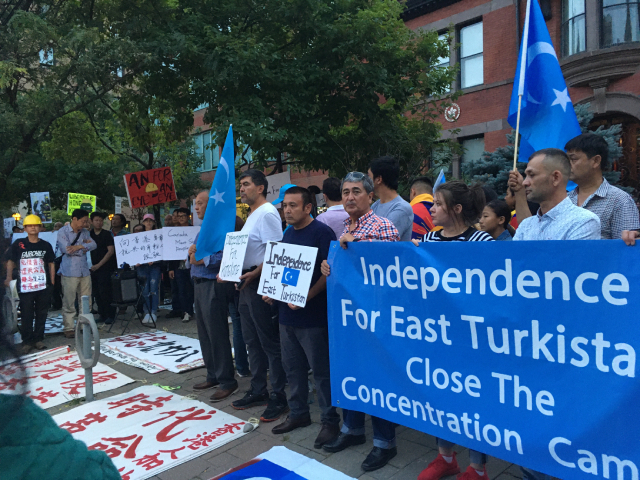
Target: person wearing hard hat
[{"x": 34, "y": 259}]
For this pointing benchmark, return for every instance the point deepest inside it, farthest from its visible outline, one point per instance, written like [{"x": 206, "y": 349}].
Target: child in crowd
[{"x": 495, "y": 220}]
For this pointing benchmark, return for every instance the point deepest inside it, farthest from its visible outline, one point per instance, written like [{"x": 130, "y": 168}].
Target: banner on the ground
[
  {"x": 155, "y": 351},
  {"x": 235, "y": 248},
  {"x": 280, "y": 463},
  {"x": 41, "y": 206},
  {"x": 276, "y": 182},
  {"x": 177, "y": 241},
  {"x": 82, "y": 201},
  {"x": 286, "y": 272},
  {"x": 51, "y": 381},
  {"x": 50, "y": 237},
  {"x": 150, "y": 187},
  {"x": 149, "y": 430},
  {"x": 139, "y": 248},
  {"x": 54, "y": 325},
  {"x": 8, "y": 224},
  {"x": 525, "y": 351}
]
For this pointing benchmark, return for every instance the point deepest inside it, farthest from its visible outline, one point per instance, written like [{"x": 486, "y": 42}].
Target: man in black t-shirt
[
  {"x": 304, "y": 336},
  {"x": 34, "y": 260},
  {"x": 104, "y": 263}
]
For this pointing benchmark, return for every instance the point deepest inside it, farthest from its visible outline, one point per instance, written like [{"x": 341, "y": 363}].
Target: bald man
[{"x": 212, "y": 300}]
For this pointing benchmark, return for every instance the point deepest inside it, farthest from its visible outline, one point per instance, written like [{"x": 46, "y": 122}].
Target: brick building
[{"x": 596, "y": 41}]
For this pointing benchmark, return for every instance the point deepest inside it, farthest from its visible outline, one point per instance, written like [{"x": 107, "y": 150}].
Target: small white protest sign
[
  {"x": 139, "y": 248},
  {"x": 286, "y": 272},
  {"x": 177, "y": 241},
  {"x": 235, "y": 247},
  {"x": 276, "y": 182},
  {"x": 8, "y": 223}
]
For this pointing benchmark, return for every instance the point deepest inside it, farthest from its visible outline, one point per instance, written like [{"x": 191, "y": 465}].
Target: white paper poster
[
  {"x": 8, "y": 224},
  {"x": 287, "y": 271},
  {"x": 276, "y": 182},
  {"x": 235, "y": 247},
  {"x": 51, "y": 381},
  {"x": 41, "y": 206},
  {"x": 177, "y": 241},
  {"x": 139, "y": 248},
  {"x": 118, "y": 206},
  {"x": 149, "y": 430},
  {"x": 155, "y": 351}
]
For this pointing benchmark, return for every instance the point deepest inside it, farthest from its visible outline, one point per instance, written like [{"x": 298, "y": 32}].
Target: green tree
[
  {"x": 493, "y": 167},
  {"x": 330, "y": 83}
]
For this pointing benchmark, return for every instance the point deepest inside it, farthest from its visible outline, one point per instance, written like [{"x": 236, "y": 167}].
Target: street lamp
[
  {"x": 111, "y": 217},
  {"x": 16, "y": 216}
]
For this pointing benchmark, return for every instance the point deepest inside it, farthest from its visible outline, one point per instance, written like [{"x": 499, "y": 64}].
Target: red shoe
[
  {"x": 471, "y": 474},
  {"x": 440, "y": 468}
]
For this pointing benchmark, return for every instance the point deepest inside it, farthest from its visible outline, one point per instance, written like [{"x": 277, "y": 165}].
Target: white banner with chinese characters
[
  {"x": 149, "y": 430},
  {"x": 51, "y": 381},
  {"x": 155, "y": 351},
  {"x": 139, "y": 248}
]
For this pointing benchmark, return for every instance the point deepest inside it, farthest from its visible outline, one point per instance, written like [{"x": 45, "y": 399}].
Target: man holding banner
[
  {"x": 364, "y": 225},
  {"x": 304, "y": 335}
]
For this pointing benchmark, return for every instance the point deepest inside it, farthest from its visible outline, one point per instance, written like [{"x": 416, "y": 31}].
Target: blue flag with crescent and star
[
  {"x": 547, "y": 118},
  {"x": 220, "y": 216}
]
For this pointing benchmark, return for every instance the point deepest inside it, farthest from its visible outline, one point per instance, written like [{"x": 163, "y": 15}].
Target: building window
[
  {"x": 471, "y": 58},
  {"x": 207, "y": 150},
  {"x": 444, "y": 62},
  {"x": 573, "y": 27},
  {"x": 473, "y": 149},
  {"x": 620, "y": 22}
]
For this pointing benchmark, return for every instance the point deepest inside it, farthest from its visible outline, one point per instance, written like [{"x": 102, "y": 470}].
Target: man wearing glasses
[
  {"x": 181, "y": 283},
  {"x": 363, "y": 225}
]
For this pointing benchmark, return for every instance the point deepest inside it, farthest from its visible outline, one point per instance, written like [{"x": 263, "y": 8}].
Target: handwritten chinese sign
[
  {"x": 155, "y": 351},
  {"x": 51, "y": 381},
  {"x": 177, "y": 241},
  {"x": 148, "y": 430},
  {"x": 139, "y": 248},
  {"x": 150, "y": 187}
]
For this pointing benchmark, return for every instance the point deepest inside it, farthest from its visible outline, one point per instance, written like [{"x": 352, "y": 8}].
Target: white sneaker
[
  {"x": 147, "y": 319},
  {"x": 186, "y": 318}
]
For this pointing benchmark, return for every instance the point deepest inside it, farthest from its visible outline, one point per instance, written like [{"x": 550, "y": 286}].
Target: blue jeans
[
  {"x": 384, "y": 431},
  {"x": 474, "y": 455},
  {"x": 151, "y": 292},
  {"x": 183, "y": 302},
  {"x": 239, "y": 347}
]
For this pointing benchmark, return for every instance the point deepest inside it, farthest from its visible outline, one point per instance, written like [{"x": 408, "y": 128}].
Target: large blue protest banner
[{"x": 525, "y": 351}]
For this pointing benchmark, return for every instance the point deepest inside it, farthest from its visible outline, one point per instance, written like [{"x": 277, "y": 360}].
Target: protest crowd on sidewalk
[{"x": 350, "y": 315}]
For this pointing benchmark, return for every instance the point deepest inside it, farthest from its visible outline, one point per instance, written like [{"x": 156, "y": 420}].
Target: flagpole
[
  {"x": 523, "y": 65},
  {"x": 515, "y": 150}
]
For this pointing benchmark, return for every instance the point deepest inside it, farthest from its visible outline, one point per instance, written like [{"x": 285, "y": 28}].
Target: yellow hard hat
[{"x": 32, "y": 220}]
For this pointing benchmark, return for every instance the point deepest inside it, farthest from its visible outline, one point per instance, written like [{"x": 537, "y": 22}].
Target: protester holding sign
[
  {"x": 364, "y": 225},
  {"x": 118, "y": 225},
  {"x": 259, "y": 329},
  {"x": 456, "y": 208},
  {"x": 34, "y": 259},
  {"x": 212, "y": 303},
  {"x": 384, "y": 172},
  {"x": 74, "y": 241},
  {"x": 152, "y": 272},
  {"x": 104, "y": 263},
  {"x": 181, "y": 283},
  {"x": 304, "y": 336}
]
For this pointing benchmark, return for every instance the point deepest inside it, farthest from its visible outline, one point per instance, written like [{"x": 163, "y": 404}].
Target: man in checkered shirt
[
  {"x": 617, "y": 210},
  {"x": 364, "y": 225}
]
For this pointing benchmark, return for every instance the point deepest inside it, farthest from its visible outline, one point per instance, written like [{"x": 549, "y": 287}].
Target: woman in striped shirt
[{"x": 456, "y": 207}]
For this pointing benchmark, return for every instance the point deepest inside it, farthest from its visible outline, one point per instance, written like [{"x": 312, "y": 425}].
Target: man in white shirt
[{"x": 259, "y": 329}]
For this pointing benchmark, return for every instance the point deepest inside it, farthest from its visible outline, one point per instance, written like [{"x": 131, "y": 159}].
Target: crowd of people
[{"x": 287, "y": 341}]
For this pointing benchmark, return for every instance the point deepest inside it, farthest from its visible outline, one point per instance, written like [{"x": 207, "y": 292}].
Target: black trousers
[
  {"x": 34, "y": 305},
  {"x": 56, "y": 295},
  {"x": 101, "y": 288}
]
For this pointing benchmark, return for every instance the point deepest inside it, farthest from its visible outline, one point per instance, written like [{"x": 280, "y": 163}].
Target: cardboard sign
[
  {"x": 139, "y": 248},
  {"x": 80, "y": 200},
  {"x": 276, "y": 182},
  {"x": 177, "y": 241},
  {"x": 286, "y": 272},
  {"x": 41, "y": 206},
  {"x": 149, "y": 430},
  {"x": 235, "y": 247},
  {"x": 150, "y": 187}
]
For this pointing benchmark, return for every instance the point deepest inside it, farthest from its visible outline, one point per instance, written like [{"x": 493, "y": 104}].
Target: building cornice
[{"x": 603, "y": 65}]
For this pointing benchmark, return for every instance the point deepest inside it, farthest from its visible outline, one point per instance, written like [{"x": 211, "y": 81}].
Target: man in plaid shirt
[{"x": 364, "y": 225}]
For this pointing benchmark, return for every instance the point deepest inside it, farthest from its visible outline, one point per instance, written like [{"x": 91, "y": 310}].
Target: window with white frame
[
  {"x": 471, "y": 56},
  {"x": 473, "y": 149},
  {"x": 207, "y": 150},
  {"x": 443, "y": 62}
]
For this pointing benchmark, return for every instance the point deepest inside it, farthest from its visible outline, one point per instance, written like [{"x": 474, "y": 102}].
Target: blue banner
[{"x": 525, "y": 351}]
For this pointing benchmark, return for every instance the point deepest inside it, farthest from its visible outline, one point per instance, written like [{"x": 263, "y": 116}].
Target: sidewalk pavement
[{"x": 415, "y": 449}]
